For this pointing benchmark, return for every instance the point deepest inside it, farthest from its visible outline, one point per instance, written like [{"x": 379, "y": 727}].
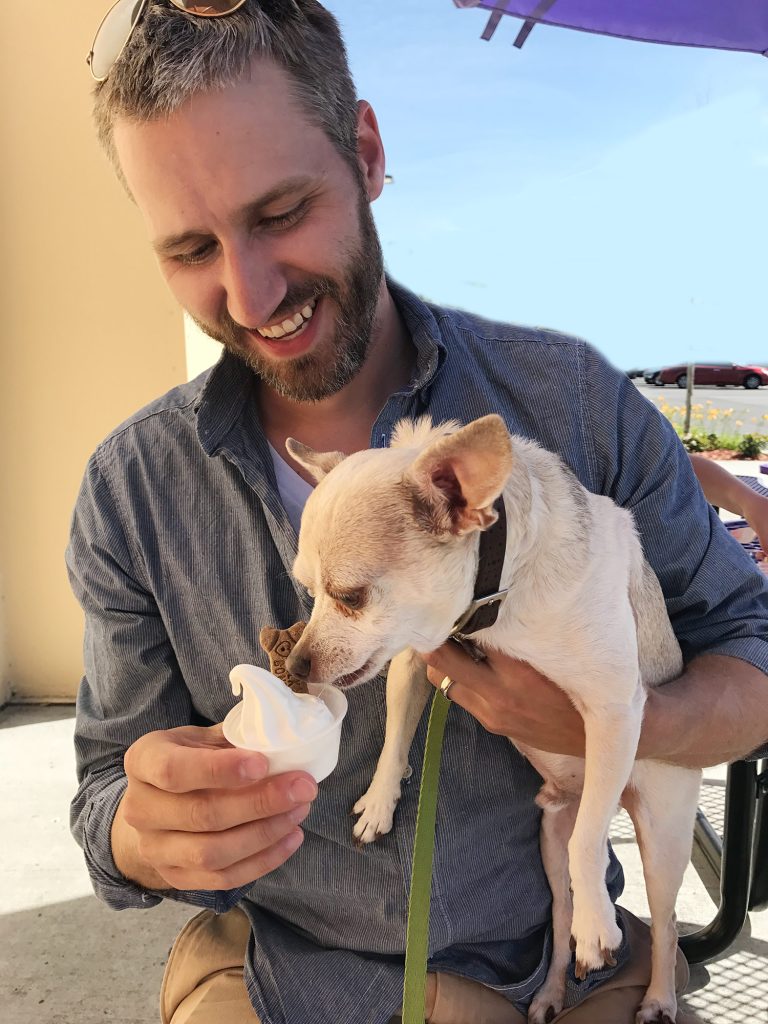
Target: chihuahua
[{"x": 388, "y": 547}]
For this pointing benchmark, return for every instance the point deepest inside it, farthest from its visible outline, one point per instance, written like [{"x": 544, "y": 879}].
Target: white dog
[{"x": 389, "y": 549}]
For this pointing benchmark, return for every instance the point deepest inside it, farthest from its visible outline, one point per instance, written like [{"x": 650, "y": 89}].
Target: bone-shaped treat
[{"x": 278, "y": 643}]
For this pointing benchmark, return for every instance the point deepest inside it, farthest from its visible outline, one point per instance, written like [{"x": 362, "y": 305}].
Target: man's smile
[
  {"x": 292, "y": 336},
  {"x": 291, "y": 325}
]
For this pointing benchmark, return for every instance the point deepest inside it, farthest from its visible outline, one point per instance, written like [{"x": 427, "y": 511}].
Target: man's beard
[{"x": 355, "y": 294}]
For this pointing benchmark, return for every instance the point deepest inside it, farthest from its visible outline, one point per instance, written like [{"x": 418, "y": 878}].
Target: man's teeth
[{"x": 289, "y": 326}]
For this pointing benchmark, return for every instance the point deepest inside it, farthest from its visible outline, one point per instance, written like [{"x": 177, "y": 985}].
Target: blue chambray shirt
[{"x": 180, "y": 552}]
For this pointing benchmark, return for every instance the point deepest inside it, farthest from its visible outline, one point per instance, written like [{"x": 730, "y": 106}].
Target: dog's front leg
[
  {"x": 612, "y": 733},
  {"x": 407, "y": 692}
]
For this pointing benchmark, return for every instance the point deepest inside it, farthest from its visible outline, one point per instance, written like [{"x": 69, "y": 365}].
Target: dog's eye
[{"x": 352, "y": 600}]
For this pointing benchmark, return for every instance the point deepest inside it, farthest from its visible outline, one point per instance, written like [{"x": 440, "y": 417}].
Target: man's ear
[
  {"x": 319, "y": 464},
  {"x": 370, "y": 150},
  {"x": 457, "y": 478}
]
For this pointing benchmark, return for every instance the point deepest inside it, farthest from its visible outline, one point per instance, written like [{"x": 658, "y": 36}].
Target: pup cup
[{"x": 296, "y": 731}]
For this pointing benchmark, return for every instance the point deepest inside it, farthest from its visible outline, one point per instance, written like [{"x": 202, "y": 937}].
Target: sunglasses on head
[{"x": 121, "y": 19}]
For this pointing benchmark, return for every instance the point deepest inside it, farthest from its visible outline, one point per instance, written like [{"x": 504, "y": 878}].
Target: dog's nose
[{"x": 298, "y": 665}]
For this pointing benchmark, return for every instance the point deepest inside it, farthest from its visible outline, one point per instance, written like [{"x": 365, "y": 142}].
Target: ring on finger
[{"x": 445, "y": 687}]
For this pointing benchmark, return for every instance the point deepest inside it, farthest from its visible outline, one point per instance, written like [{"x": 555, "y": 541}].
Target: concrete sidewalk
[{"x": 67, "y": 959}]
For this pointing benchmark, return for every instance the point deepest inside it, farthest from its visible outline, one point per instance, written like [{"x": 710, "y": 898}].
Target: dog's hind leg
[
  {"x": 556, "y": 828},
  {"x": 407, "y": 691},
  {"x": 661, "y": 801},
  {"x": 612, "y": 734}
]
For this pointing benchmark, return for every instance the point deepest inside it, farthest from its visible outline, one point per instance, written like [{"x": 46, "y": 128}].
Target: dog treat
[
  {"x": 278, "y": 643},
  {"x": 294, "y": 730}
]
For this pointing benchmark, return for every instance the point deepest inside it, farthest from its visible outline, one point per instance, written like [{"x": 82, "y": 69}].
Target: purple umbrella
[{"x": 721, "y": 24}]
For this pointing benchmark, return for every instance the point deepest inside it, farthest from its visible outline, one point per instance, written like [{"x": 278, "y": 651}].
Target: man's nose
[{"x": 254, "y": 287}]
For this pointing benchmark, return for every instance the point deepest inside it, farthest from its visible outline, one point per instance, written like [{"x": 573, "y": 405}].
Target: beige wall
[{"x": 89, "y": 332}]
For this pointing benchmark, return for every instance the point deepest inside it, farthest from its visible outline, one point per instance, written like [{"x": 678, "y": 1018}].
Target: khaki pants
[{"x": 203, "y": 983}]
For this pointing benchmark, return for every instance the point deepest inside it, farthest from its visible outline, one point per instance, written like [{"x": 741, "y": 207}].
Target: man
[{"x": 240, "y": 140}]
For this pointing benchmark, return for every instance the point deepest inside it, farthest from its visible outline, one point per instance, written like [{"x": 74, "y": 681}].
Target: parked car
[
  {"x": 651, "y": 376},
  {"x": 719, "y": 374}
]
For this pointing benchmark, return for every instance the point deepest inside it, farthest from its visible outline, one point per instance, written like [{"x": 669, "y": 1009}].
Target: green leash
[{"x": 417, "y": 935}]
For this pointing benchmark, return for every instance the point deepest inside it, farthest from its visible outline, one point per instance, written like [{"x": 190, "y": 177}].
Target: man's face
[{"x": 263, "y": 232}]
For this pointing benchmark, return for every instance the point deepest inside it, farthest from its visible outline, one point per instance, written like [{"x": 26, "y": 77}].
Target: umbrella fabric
[{"x": 720, "y": 24}]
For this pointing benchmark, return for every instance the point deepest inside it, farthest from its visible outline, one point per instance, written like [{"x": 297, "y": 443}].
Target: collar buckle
[{"x": 475, "y": 606}]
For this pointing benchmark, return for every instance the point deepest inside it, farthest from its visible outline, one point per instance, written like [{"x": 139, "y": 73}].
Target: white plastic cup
[{"x": 318, "y": 755}]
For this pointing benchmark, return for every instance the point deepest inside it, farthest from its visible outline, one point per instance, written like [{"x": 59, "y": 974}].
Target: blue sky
[{"x": 612, "y": 189}]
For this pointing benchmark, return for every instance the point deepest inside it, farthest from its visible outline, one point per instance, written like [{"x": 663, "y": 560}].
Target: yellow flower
[
  {"x": 727, "y": 412},
  {"x": 712, "y": 414},
  {"x": 739, "y": 423}
]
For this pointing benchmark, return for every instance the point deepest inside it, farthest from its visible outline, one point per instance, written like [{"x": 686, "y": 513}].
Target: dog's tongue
[{"x": 271, "y": 716}]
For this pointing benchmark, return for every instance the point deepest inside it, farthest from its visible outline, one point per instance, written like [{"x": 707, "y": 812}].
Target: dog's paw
[
  {"x": 597, "y": 937},
  {"x": 652, "y": 1011},
  {"x": 547, "y": 1003},
  {"x": 377, "y": 810},
  {"x": 595, "y": 947}
]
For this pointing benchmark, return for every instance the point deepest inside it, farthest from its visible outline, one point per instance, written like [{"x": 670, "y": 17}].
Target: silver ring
[{"x": 445, "y": 686}]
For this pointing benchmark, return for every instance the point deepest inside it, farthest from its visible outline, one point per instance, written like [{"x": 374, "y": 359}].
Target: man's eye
[
  {"x": 196, "y": 256},
  {"x": 285, "y": 220}
]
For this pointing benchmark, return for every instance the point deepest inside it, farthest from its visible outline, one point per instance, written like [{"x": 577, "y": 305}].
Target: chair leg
[
  {"x": 736, "y": 868},
  {"x": 758, "y": 896}
]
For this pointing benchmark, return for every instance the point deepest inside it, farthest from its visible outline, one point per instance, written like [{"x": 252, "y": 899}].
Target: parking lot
[{"x": 748, "y": 408}]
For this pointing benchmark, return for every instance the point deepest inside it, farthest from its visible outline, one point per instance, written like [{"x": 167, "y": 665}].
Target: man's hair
[{"x": 172, "y": 56}]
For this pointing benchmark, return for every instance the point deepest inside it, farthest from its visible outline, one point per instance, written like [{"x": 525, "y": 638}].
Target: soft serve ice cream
[{"x": 293, "y": 730}]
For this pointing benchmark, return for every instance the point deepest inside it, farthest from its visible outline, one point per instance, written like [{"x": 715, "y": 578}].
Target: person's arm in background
[{"x": 723, "y": 489}]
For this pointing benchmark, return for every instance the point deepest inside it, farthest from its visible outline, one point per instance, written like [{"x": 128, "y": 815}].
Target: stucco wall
[{"x": 89, "y": 331}]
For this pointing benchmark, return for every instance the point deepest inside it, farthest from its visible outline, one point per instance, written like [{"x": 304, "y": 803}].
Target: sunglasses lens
[
  {"x": 113, "y": 32},
  {"x": 212, "y": 9}
]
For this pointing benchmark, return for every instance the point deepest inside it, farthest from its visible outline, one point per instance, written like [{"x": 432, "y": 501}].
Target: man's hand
[
  {"x": 755, "y": 511},
  {"x": 510, "y": 698},
  {"x": 715, "y": 712},
  {"x": 201, "y": 814}
]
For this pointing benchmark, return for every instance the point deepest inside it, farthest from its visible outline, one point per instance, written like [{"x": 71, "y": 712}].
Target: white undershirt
[{"x": 293, "y": 490}]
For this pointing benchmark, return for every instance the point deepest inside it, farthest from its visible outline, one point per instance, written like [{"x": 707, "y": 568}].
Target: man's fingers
[
  {"x": 187, "y": 759},
  {"x": 213, "y": 852},
  {"x": 241, "y": 873},
  {"x": 450, "y": 660},
  {"x": 148, "y": 808}
]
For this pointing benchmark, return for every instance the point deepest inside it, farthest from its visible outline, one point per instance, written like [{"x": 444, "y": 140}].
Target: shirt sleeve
[
  {"x": 132, "y": 686},
  {"x": 716, "y": 596}
]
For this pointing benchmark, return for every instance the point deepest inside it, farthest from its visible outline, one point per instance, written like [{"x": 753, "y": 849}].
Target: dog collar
[{"x": 488, "y": 595}]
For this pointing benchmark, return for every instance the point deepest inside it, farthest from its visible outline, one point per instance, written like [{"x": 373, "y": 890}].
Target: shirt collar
[{"x": 424, "y": 324}]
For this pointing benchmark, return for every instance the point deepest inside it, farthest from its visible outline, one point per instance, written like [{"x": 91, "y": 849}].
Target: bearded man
[{"x": 236, "y": 130}]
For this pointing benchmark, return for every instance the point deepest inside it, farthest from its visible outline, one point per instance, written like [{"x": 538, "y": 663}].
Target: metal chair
[{"x": 740, "y": 860}]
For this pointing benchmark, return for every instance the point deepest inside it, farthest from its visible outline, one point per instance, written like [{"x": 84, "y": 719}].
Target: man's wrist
[{"x": 128, "y": 860}]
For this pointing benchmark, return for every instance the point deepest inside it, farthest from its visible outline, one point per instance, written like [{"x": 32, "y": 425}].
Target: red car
[{"x": 719, "y": 374}]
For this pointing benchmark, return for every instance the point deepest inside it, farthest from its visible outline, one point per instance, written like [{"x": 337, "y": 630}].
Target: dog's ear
[
  {"x": 457, "y": 478},
  {"x": 319, "y": 464}
]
